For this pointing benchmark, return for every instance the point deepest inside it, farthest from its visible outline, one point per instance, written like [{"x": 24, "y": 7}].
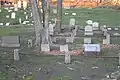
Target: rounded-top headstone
[{"x": 90, "y": 22}]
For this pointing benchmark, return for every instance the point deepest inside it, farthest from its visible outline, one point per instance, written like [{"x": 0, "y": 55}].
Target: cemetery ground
[{"x": 37, "y": 66}]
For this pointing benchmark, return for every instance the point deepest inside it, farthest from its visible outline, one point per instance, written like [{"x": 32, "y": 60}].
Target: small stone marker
[
  {"x": 109, "y": 29},
  {"x": 7, "y": 16},
  {"x": 55, "y": 11},
  {"x": 116, "y": 29},
  {"x": 74, "y": 14},
  {"x": 41, "y": 10},
  {"x": 13, "y": 15},
  {"x": 20, "y": 21},
  {"x": 7, "y": 24},
  {"x": 66, "y": 13},
  {"x": 26, "y": 17},
  {"x": 15, "y": 7},
  {"x": 95, "y": 25},
  {"x": 67, "y": 58},
  {"x": 9, "y": 10},
  {"x": 72, "y": 22},
  {"x": 1, "y": 24},
  {"x": 25, "y": 13},
  {"x": 0, "y": 10},
  {"x": 31, "y": 15},
  {"x": 30, "y": 43},
  {"x": 69, "y": 39},
  {"x": 64, "y": 48},
  {"x": 16, "y": 54},
  {"x": 45, "y": 47},
  {"x": 89, "y": 22},
  {"x": 87, "y": 40}
]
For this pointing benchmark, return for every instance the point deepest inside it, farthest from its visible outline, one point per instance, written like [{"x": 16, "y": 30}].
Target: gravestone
[
  {"x": 64, "y": 48},
  {"x": 69, "y": 39},
  {"x": 74, "y": 14},
  {"x": 24, "y": 4},
  {"x": 41, "y": 10},
  {"x": 0, "y": 10},
  {"x": 25, "y": 13},
  {"x": 7, "y": 24},
  {"x": 109, "y": 29},
  {"x": 31, "y": 14},
  {"x": 54, "y": 40},
  {"x": 55, "y": 11},
  {"x": 66, "y": 13},
  {"x": 75, "y": 30},
  {"x": 7, "y": 16},
  {"x": 20, "y": 21},
  {"x": 89, "y": 22},
  {"x": 30, "y": 43},
  {"x": 25, "y": 22},
  {"x": 19, "y": 4},
  {"x": 95, "y": 25},
  {"x": 9, "y": 10},
  {"x": 88, "y": 30},
  {"x": 45, "y": 47},
  {"x": 13, "y": 14},
  {"x": 1, "y": 24},
  {"x": 107, "y": 40},
  {"x": 87, "y": 40},
  {"x": 16, "y": 54},
  {"x": 116, "y": 34},
  {"x": 116, "y": 29},
  {"x": 26, "y": 17},
  {"x": 51, "y": 29},
  {"x": 10, "y": 41},
  {"x": 72, "y": 22},
  {"x": 67, "y": 58}
]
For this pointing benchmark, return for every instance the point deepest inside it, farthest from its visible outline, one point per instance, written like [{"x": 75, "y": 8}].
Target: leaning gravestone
[
  {"x": 64, "y": 48},
  {"x": 87, "y": 40},
  {"x": 16, "y": 54},
  {"x": 72, "y": 22},
  {"x": 88, "y": 30},
  {"x": 13, "y": 15},
  {"x": 95, "y": 25},
  {"x": 10, "y": 41},
  {"x": 45, "y": 47}
]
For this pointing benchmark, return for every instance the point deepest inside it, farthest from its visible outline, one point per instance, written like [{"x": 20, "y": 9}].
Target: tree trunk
[
  {"x": 37, "y": 22},
  {"x": 59, "y": 16}
]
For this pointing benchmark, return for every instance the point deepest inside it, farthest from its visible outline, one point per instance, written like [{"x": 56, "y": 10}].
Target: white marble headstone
[
  {"x": 88, "y": 28},
  {"x": 95, "y": 25},
  {"x": 1, "y": 24},
  {"x": 30, "y": 43},
  {"x": 0, "y": 10},
  {"x": 55, "y": 11},
  {"x": 31, "y": 14},
  {"x": 7, "y": 16},
  {"x": 13, "y": 14},
  {"x": 20, "y": 21},
  {"x": 66, "y": 13},
  {"x": 64, "y": 48},
  {"x": 25, "y": 13},
  {"x": 72, "y": 22},
  {"x": 24, "y": 4},
  {"x": 90, "y": 22},
  {"x": 9, "y": 10},
  {"x": 87, "y": 40},
  {"x": 7, "y": 24},
  {"x": 26, "y": 16},
  {"x": 16, "y": 54},
  {"x": 45, "y": 47},
  {"x": 74, "y": 14},
  {"x": 41, "y": 10}
]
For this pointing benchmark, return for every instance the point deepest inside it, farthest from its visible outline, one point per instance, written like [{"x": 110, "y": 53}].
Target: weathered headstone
[
  {"x": 10, "y": 41},
  {"x": 19, "y": 4},
  {"x": 7, "y": 16},
  {"x": 16, "y": 54},
  {"x": 7, "y": 24},
  {"x": 89, "y": 22},
  {"x": 67, "y": 58},
  {"x": 45, "y": 47},
  {"x": 13, "y": 14},
  {"x": 74, "y": 14},
  {"x": 64, "y": 48},
  {"x": 20, "y": 21},
  {"x": 87, "y": 40},
  {"x": 72, "y": 22},
  {"x": 88, "y": 30},
  {"x": 30, "y": 43},
  {"x": 26, "y": 17},
  {"x": 95, "y": 25}
]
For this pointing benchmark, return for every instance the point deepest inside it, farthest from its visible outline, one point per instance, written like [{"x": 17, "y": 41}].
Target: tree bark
[{"x": 37, "y": 22}]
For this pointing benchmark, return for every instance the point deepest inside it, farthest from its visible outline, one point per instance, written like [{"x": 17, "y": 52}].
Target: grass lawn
[{"x": 105, "y": 16}]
